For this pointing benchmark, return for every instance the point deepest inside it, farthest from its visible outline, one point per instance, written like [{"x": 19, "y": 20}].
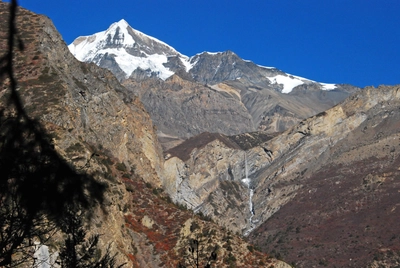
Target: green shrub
[
  {"x": 194, "y": 226},
  {"x": 121, "y": 167}
]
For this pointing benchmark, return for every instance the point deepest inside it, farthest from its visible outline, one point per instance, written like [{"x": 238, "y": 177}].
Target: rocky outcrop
[
  {"x": 214, "y": 68},
  {"x": 207, "y": 174},
  {"x": 306, "y": 147},
  {"x": 273, "y": 111},
  {"x": 209, "y": 184}
]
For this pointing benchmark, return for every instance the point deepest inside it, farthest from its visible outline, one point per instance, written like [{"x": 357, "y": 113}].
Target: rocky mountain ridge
[
  {"x": 182, "y": 108},
  {"x": 131, "y": 49},
  {"x": 272, "y": 99}
]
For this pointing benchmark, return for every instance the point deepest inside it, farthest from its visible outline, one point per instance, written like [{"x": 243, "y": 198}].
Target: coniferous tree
[
  {"x": 196, "y": 255},
  {"x": 78, "y": 250}
]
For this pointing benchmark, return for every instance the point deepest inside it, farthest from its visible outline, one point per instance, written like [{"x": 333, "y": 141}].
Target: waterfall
[{"x": 247, "y": 181}]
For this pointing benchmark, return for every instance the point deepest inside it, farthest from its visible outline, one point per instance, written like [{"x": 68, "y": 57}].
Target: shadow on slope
[{"x": 37, "y": 187}]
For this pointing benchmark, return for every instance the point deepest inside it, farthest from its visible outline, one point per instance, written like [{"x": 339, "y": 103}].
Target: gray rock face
[
  {"x": 211, "y": 174},
  {"x": 108, "y": 61},
  {"x": 210, "y": 182},
  {"x": 213, "y": 68},
  {"x": 183, "y": 109}
]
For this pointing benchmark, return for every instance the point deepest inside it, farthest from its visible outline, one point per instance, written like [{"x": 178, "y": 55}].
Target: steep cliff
[{"x": 207, "y": 174}]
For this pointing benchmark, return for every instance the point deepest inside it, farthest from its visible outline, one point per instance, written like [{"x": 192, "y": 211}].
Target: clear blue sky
[{"x": 333, "y": 41}]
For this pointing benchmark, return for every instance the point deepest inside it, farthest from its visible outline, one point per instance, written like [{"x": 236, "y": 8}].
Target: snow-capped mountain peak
[
  {"x": 124, "y": 50},
  {"x": 118, "y": 34},
  {"x": 130, "y": 53},
  {"x": 122, "y": 23}
]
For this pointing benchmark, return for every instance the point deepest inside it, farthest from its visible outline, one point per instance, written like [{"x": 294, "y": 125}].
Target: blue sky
[{"x": 333, "y": 41}]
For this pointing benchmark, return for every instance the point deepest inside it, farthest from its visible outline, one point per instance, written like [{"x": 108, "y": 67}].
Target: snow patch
[
  {"x": 129, "y": 63},
  {"x": 266, "y": 67},
  {"x": 186, "y": 62},
  {"x": 211, "y": 53},
  {"x": 326, "y": 86},
  {"x": 288, "y": 82}
]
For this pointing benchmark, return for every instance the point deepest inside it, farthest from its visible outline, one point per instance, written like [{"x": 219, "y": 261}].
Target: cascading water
[{"x": 246, "y": 181}]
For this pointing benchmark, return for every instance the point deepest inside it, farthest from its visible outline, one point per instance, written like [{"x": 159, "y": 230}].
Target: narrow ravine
[{"x": 247, "y": 182}]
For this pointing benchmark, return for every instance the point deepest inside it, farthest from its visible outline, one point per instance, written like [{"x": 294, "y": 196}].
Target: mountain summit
[{"x": 125, "y": 50}]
